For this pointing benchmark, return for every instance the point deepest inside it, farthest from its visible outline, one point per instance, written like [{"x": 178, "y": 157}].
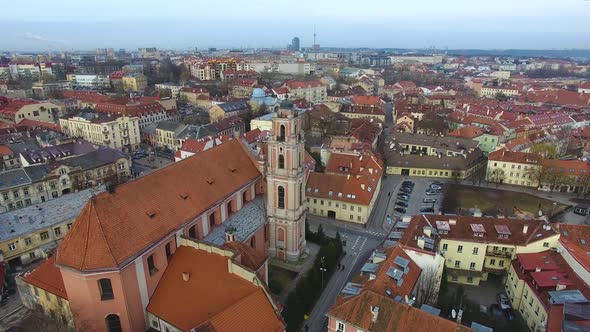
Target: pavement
[{"x": 146, "y": 165}]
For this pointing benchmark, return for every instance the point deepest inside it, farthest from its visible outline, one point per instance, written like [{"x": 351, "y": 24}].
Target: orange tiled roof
[
  {"x": 515, "y": 157},
  {"x": 47, "y": 277},
  {"x": 212, "y": 297},
  {"x": 467, "y": 132},
  {"x": 250, "y": 258},
  {"x": 573, "y": 238},
  {"x": 34, "y": 123},
  {"x": 568, "y": 167},
  {"x": 304, "y": 84},
  {"x": 5, "y": 151},
  {"x": 113, "y": 228},
  {"x": 383, "y": 282},
  {"x": 366, "y": 100}
]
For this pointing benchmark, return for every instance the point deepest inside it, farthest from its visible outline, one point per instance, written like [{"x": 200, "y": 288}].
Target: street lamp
[{"x": 323, "y": 270}]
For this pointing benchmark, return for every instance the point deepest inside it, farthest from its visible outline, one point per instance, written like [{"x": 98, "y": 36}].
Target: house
[
  {"x": 14, "y": 110},
  {"x": 488, "y": 141},
  {"x": 348, "y": 188},
  {"x": 517, "y": 168},
  {"x": 226, "y": 110},
  {"x": 191, "y": 147},
  {"x": 584, "y": 87},
  {"x": 312, "y": 91},
  {"x": 243, "y": 87},
  {"x": 195, "y": 96}
]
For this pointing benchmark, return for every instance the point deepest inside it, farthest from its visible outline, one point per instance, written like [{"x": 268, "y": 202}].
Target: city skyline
[{"x": 529, "y": 25}]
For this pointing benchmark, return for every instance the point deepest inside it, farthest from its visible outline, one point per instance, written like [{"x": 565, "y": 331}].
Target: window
[
  {"x": 28, "y": 241},
  {"x": 351, "y": 217},
  {"x": 26, "y": 191},
  {"x": 282, "y": 133},
  {"x": 281, "y": 197},
  {"x": 106, "y": 289},
  {"x": 322, "y": 202},
  {"x": 11, "y": 246},
  {"x": 340, "y": 327},
  {"x": 470, "y": 279},
  {"x": 301, "y": 194},
  {"x": 454, "y": 278},
  {"x": 457, "y": 264},
  {"x": 472, "y": 266},
  {"x": 459, "y": 248},
  {"x": 69, "y": 225},
  {"x": 44, "y": 235},
  {"x": 281, "y": 161},
  {"x": 445, "y": 247},
  {"x": 151, "y": 265},
  {"x": 492, "y": 261},
  {"x": 32, "y": 255},
  {"x": 244, "y": 197},
  {"x": 168, "y": 250},
  {"x": 57, "y": 231},
  {"x": 15, "y": 194},
  {"x": 501, "y": 263},
  {"x": 212, "y": 220},
  {"x": 475, "y": 251},
  {"x": 545, "y": 244},
  {"x": 113, "y": 323},
  {"x": 5, "y": 196}
]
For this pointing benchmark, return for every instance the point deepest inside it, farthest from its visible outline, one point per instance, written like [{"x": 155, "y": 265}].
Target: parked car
[
  {"x": 408, "y": 184},
  {"x": 427, "y": 210},
  {"x": 503, "y": 301},
  {"x": 405, "y": 190},
  {"x": 438, "y": 183},
  {"x": 429, "y": 200},
  {"x": 402, "y": 195},
  {"x": 400, "y": 210},
  {"x": 430, "y": 192},
  {"x": 405, "y": 199},
  {"x": 582, "y": 211},
  {"x": 400, "y": 203},
  {"x": 435, "y": 187}
]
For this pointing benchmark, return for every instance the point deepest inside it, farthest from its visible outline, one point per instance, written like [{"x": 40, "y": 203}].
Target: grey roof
[
  {"x": 430, "y": 310},
  {"x": 567, "y": 296},
  {"x": 173, "y": 126},
  {"x": 24, "y": 146},
  {"x": 94, "y": 159},
  {"x": 13, "y": 178},
  {"x": 573, "y": 326},
  {"x": 481, "y": 328},
  {"x": 369, "y": 267},
  {"x": 246, "y": 222},
  {"x": 234, "y": 106},
  {"x": 26, "y": 220},
  {"x": 51, "y": 153},
  {"x": 38, "y": 172},
  {"x": 450, "y": 163},
  {"x": 196, "y": 132},
  {"x": 352, "y": 289}
]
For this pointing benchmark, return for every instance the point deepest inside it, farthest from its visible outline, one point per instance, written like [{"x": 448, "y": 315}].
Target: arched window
[
  {"x": 281, "y": 161},
  {"x": 113, "y": 323},
  {"x": 282, "y": 133},
  {"x": 281, "y": 191},
  {"x": 281, "y": 234},
  {"x": 229, "y": 209},
  {"x": 245, "y": 197}
]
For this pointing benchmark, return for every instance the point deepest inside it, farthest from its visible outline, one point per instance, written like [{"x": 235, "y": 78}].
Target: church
[{"x": 186, "y": 247}]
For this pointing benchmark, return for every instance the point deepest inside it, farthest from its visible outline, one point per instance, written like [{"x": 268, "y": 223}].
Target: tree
[
  {"x": 338, "y": 242},
  {"x": 500, "y": 96},
  {"x": 547, "y": 150},
  {"x": 497, "y": 176},
  {"x": 185, "y": 75},
  {"x": 428, "y": 286},
  {"x": 165, "y": 93},
  {"x": 320, "y": 236}
]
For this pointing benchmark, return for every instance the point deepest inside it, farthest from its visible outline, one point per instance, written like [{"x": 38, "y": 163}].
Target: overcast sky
[{"x": 182, "y": 24}]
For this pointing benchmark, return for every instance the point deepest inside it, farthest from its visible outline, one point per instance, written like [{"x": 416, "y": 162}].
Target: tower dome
[{"x": 258, "y": 93}]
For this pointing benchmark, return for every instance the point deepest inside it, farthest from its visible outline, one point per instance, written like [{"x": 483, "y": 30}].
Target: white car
[{"x": 503, "y": 301}]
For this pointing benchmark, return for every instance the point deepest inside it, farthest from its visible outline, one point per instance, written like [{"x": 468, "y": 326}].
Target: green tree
[{"x": 320, "y": 236}]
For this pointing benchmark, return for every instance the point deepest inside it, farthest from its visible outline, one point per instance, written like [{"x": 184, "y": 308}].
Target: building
[
  {"x": 493, "y": 91},
  {"x": 294, "y": 45},
  {"x": 89, "y": 81},
  {"x": 489, "y": 140},
  {"x": 312, "y": 91},
  {"x": 382, "y": 299},
  {"x": 243, "y": 87},
  {"x": 28, "y": 234},
  {"x": 348, "y": 188},
  {"x": 134, "y": 82},
  {"x": 365, "y": 107},
  {"x": 117, "y": 80},
  {"x": 584, "y": 87},
  {"x": 115, "y": 132},
  {"x": 147, "y": 110},
  {"x": 211, "y": 69},
  {"x": 168, "y": 132},
  {"x": 195, "y": 96},
  {"x": 50, "y": 90},
  {"x": 15, "y": 110},
  {"x": 517, "y": 168},
  {"x": 225, "y": 110},
  {"x": 191, "y": 147},
  {"x": 476, "y": 247},
  {"x": 432, "y": 156},
  {"x": 174, "y": 89},
  {"x": 418, "y": 58}
]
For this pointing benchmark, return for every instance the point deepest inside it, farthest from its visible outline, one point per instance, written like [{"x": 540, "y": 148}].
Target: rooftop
[
  {"x": 47, "y": 277},
  {"x": 245, "y": 222}
]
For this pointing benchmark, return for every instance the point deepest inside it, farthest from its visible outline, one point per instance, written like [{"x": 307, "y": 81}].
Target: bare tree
[
  {"x": 428, "y": 286},
  {"x": 496, "y": 176}
]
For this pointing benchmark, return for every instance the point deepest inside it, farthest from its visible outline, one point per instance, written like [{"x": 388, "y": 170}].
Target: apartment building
[
  {"x": 195, "y": 96},
  {"x": 348, "y": 188},
  {"x": 493, "y": 91},
  {"x": 174, "y": 89},
  {"x": 147, "y": 110},
  {"x": 475, "y": 247},
  {"x": 134, "y": 82},
  {"x": 89, "y": 81},
  {"x": 28, "y": 234},
  {"x": 114, "y": 131},
  {"x": 226, "y": 110},
  {"x": 432, "y": 156},
  {"x": 489, "y": 140},
  {"x": 518, "y": 168},
  {"x": 242, "y": 88},
  {"x": 212, "y": 69},
  {"x": 14, "y": 111},
  {"x": 365, "y": 107},
  {"x": 313, "y": 91}
]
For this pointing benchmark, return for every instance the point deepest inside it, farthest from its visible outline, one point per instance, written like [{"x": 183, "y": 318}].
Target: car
[
  {"x": 435, "y": 187},
  {"x": 438, "y": 183},
  {"x": 400, "y": 203},
  {"x": 432, "y": 192},
  {"x": 503, "y": 301},
  {"x": 403, "y": 195},
  {"x": 429, "y": 200},
  {"x": 427, "y": 210},
  {"x": 408, "y": 184},
  {"x": 405, "y": 190},
  {"x": 400, "y": 210},
  {"x": 582, "y": 211},
  {"x": 405, "y": 199}
]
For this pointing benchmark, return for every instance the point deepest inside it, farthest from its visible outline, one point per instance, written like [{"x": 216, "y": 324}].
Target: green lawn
[
  {"x": 460, "y": 199},
  {"x": 282, "y": 276}
]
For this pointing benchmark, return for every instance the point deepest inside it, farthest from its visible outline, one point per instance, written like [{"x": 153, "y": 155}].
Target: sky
[{"x": 40, "y": 25}]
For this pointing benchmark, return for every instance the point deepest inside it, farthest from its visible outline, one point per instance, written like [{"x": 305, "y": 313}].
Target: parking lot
[
  {"x": 414, "y": 201},
  {"x": 145, "y": 162}
]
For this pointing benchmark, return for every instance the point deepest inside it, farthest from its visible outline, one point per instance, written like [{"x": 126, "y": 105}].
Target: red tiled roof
[
  {"x": 253, "y": 135},
  {"x": 85, "y": 96},
  {"x": 5, "y": 151},
  {"x": 249, "y": 257},
  {"x": 194, "y": 90},
  {"x": 113, "y": 228},
  {"x": 585, "y": 85},
  {"x": 200, "y": 145},
  {"x": 33, "y": 123},
  {"x": 47, "y": 277},
  {"x": 15, "y": 105},
  {"x": 366, "y": 100},
  {"x": 515, "y": 157},
  {"x": 470, "y": 132},
  {"x": 117, "y": 74},
  {"x": 568, "y": 167},
  {"x": 280, "y": 91},
  {"x": 213, "y": 299},
  {"x": 303, "y": 84},
  {"x": 576, "y": 240}
]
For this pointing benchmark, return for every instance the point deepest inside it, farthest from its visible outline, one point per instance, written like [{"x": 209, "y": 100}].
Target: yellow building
[
  {"x": 134, "y": 82},
  {"x": 19, "y": 110},
  {"x": 121, "y": 133},
  {"x": 27, "y": 234},
  {"x": 348, "y": 188},
  {"x": 195, "y": 96},
  {"x": 474, "y": 247},
  {"x": 167, "y": 134},
  {"x": 492, "y": 91},
  {"x": 516, "y": 168},
  {"x": 432, "y": 156},
  {"x": 222, "y": 111}
]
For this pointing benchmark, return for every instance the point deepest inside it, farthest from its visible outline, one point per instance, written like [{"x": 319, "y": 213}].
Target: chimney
[
  {"x": 452, "y": 221},
  {"x": 230, "y": 235},
  {"x": 525, "y": 229},
  {"x": 375, "y": 312},
  {"x": 427, "y": 231},
  {"x": 362, "y": 186},
  {"x": 186, "y": 276}
]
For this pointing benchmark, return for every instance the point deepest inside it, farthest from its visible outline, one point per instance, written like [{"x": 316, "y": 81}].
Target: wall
[{"x": 53, "y": 306}]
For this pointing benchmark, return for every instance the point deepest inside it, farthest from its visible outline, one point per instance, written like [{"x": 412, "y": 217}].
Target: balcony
[{"x": 499, "y": 253}]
